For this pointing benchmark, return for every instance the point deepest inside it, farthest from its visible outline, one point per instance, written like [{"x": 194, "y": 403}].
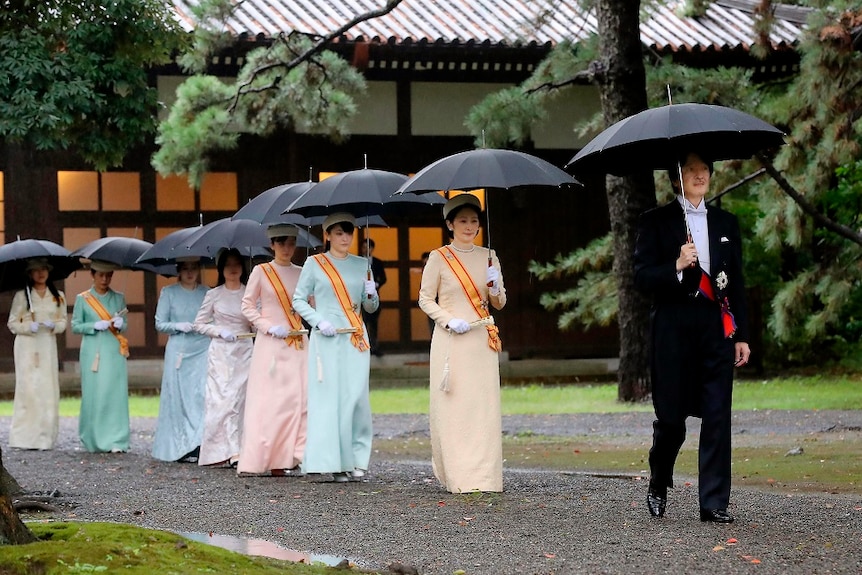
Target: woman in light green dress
[{"x": 103, "y": 424}]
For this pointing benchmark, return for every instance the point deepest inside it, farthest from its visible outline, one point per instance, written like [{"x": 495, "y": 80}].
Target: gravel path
[{"x": 545, "y": 522}]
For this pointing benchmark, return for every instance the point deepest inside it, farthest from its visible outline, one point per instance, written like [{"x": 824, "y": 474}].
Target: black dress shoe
[
  {"x": 656, "y": 500},
  {"x": 716, "y": 516}
]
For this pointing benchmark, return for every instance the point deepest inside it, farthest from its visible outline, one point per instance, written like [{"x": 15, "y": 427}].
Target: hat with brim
[
  {"x": 38, "y": 264},
  {"x": 461, "y": 200},
  {"x": 338, "y": 218},
  {"x": 281, "y": 231},
  {"x": 103, "y": 266}
]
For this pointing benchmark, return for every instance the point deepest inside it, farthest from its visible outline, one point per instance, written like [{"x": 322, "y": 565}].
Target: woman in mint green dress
[
  {"x": 339, "y": 413},
  {"x": 103, "y": 425}
]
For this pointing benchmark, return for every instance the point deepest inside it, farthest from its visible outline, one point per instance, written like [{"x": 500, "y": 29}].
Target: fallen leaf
[
  {"x": 755, "y": 561},
  {"x": 441, "y": 504},
  {"x": 687, "y": 483},
  {"x": 550, "y": 555},
  {"x": 279, "y": 529},
  {"x": 732, "y": 541},
  {"x": 718, "y": 548}
]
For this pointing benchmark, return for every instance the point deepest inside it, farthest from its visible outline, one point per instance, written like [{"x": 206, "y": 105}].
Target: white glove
[
  {"x": 102, "y": 325},
  {"x": 326, "y": 328},
  {"x": 34, "y": 326},
  {"x": 118, "y": 323},
  {"x": 458, "y": 325},
  {"x": 278, "y": 331},
  {"x": 48, "y": 323},
  {"x": 370, "y": 288},
  {"x": 227, "y": 335},
  {"x": 492, "y": 278},
  {"x": 184, "y": 326}
]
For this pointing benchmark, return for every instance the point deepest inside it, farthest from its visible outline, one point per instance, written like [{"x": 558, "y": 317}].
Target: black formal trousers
[{"x": 692, "y": 360}]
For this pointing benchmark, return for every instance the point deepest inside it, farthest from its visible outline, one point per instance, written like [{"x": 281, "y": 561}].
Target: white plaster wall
[
  {"x": 439, "y": 109},
  {"x": 377, "y": 111},
  {"x": 571, "y": 106}
]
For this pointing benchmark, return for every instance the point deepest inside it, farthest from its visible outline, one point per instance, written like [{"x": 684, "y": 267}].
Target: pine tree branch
[
  {"x": 807, "y": 207},
  {"x": 735, "y": 185},
  {"x": 317, "y": 48},
  {"x": 579, "y": 78}
]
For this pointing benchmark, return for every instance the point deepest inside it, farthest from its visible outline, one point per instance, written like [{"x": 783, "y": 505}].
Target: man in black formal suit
[{"x": 688, "y": 259}]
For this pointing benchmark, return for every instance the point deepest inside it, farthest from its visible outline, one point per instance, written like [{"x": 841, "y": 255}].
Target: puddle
[{"x": 259, "y": 547}]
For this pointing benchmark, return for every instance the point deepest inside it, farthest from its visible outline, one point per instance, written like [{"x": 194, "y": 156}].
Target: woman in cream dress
[
  {"x": 38, "y": 314},
  {"x": 465, "y": 420}
]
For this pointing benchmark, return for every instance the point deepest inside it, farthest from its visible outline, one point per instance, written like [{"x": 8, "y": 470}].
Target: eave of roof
[{"x": 725, "y": 25}]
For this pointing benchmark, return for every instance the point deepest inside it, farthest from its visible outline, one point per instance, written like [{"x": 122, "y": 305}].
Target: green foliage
[
  {"x": 290, "y": 84},
  {"x": 73, "y": 75}
]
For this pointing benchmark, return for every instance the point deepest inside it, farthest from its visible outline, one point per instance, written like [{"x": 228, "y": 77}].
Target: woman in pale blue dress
[
  {"x": 181, "y": 406},
  {"x": 339, "y": 412},
  {"x": 103, "y": 424}
]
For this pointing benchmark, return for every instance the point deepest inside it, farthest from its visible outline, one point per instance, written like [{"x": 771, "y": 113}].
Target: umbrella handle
[{"x": 490, "y": 265}]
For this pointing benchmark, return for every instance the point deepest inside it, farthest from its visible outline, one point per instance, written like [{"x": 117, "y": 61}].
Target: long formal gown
[
  {"x": 104, "y": 421},
  {"x": 35, "y": 410},
  {"x": 465, "y": 421},
  {"x": 227, "y": 373},
  {"x": 181, "y": 403},
  {"x": 274, "y": 425},
  {"x": 339, "y": 411}
]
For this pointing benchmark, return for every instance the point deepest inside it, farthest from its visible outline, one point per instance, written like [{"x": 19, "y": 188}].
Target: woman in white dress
[
  {"x": 458, "y": 289},
  {"x": 220, "y": 317},
  {"x": 38, "y": 314}
]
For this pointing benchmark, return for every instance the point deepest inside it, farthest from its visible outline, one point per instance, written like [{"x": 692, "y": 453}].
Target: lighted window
[
  {"x": 424, "y": 240},
  {"x": 121, "y": 191},
  {"x": 174, "y": 194},
  {"x": 388, "y": 328},
  {"x": 219, "y": 192},
  {"x": 78, "y": 190},
  {"x": 420, "y": 328}
]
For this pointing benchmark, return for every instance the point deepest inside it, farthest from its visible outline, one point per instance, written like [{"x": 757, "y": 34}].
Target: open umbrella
[
  {"x": 363, "y": 193},
  {"x": 121, "y": 251},
  {"x": 14, "y": 256},
  {"x": 164, "y": 251},
  {"x": 247, "y": 236},
  {"x": 652, "y": 139},
  {"x": 269, "y": 205},
  {"x": 487, "y": 168}
]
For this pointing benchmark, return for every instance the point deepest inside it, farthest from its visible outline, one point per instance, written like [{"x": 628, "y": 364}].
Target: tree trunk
[
  {"x": 12, "y": 529},
  {"x": 621, "y": 79}
]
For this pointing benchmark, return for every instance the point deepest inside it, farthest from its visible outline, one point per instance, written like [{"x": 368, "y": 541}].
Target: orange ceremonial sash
[
  {"x": 472, "y": 293},
  {"x": 284, "y": 299},
  {"x": 104, "y": 314},
  {"x": 357, "y": 338}
]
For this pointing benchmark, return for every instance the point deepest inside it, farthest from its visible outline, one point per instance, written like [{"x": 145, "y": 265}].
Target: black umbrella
[
  {"x": 14, "y": 256},
  {"x": 652, "y": 139},
  {"x": 165, "y": 251},
  {"x": 268, "y": 206},
  {"x": 247, "y": 236},
  {"x": 121, "y": 251},
  {"x": 486, "y": 168},
  {"x": 364, "y": 192}
]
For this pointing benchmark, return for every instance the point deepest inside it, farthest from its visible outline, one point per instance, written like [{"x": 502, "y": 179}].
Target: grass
[
  {"x": 67, "y": 547},
  {"x": 817, "y": 392}
]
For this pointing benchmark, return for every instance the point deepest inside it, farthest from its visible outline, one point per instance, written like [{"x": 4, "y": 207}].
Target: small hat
[
  {"x": 460, "y": 200},
  {"x": 281, "y": 231},
  {"x": 103, "y": 266},
  {"x": 338, "y": 218},
  {"x": 38, "y": 264}
]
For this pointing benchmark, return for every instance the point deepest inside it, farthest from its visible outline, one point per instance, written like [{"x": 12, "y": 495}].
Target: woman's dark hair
[
  {"x": 51, "y": 288},
  {"x": 346, "y": 226},
  {"x": 454, "y": 214},
  {"x": 222, "y": 262}
]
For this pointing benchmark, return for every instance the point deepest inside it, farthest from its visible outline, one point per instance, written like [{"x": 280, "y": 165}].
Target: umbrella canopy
[
  {"x": 652, "y": 139},
  {"x": 364, "y": 192},
  {"x": 121, "y": 251},
  {"x": 268, "y": 206},
  {"x": 486, "y": 168},
  {"x": 14, "y": 256},
  {"x": 247, "y": 236},
  {"x": 164, "y": 251}
]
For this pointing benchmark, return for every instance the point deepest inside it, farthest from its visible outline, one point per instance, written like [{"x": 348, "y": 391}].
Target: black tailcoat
[{"x": 692, "y": 360}]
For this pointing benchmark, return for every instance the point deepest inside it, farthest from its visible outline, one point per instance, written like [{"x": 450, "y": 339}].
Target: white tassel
[
  {"x": 179, "y": 361},
  {"x": 95, "y": 366},
  {"x": 319, "y": 370},
  {"x": 444, "y": 383}
]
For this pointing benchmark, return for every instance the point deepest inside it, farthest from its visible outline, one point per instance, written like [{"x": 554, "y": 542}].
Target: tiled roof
[{"x": 726, "y": 23}]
